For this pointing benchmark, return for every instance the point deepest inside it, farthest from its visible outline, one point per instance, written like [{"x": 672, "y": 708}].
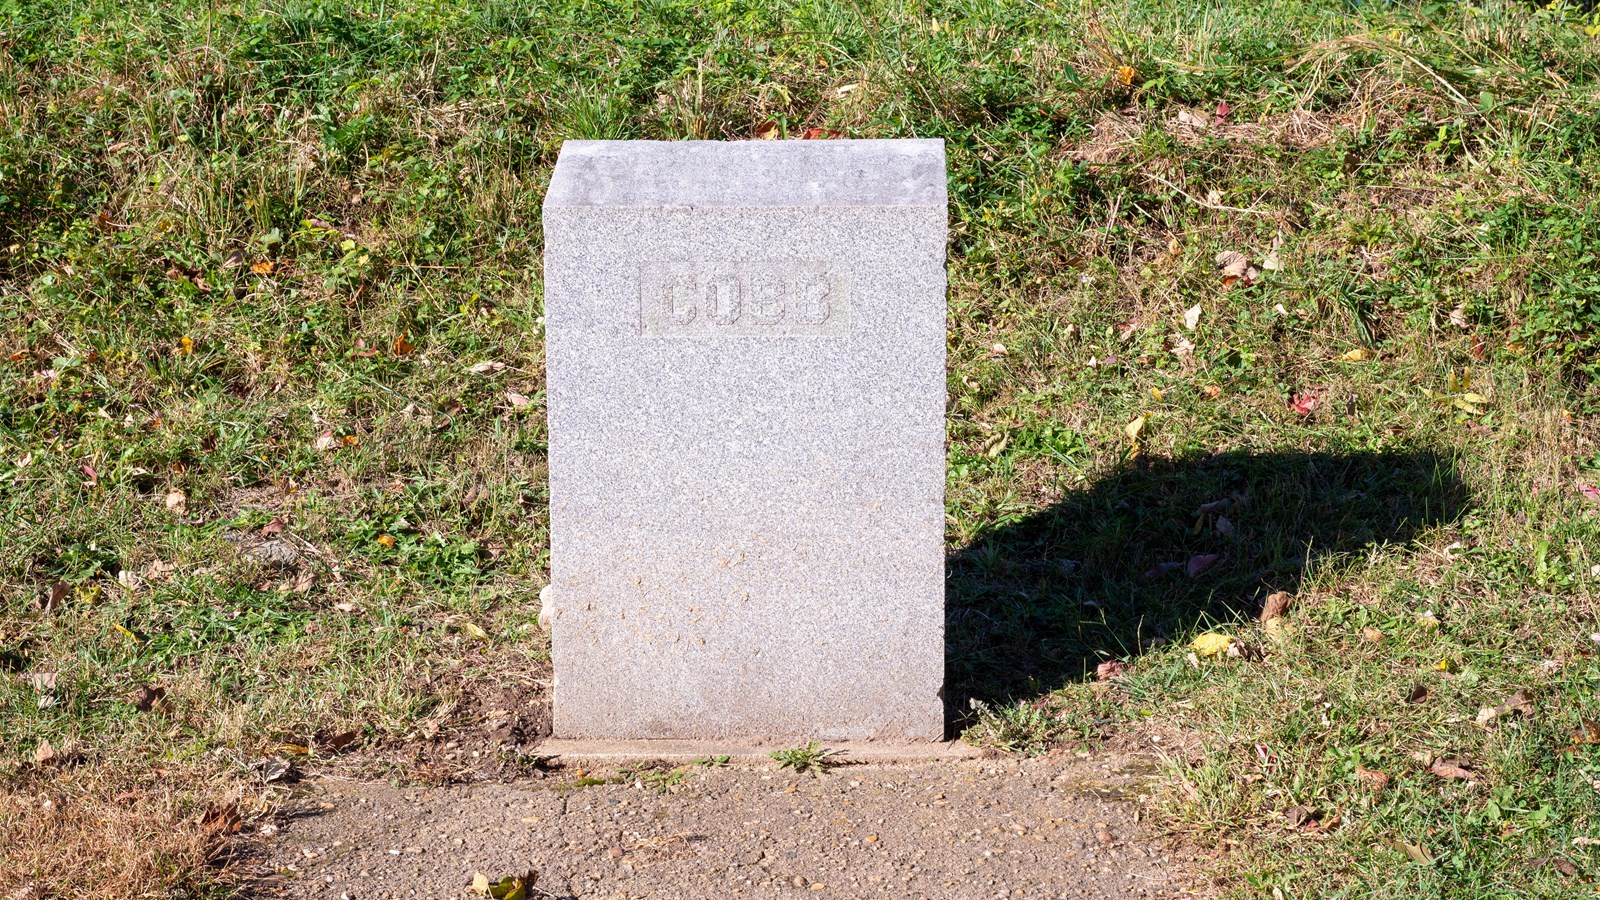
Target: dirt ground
[{"x": 1059, "y": 826}]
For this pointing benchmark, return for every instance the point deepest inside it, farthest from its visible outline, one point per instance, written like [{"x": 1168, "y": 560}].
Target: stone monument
[{"x": 745, "y": 358}]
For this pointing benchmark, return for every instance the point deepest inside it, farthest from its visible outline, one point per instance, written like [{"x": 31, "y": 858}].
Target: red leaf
[
  {"x": 1303, "y": 403},
  {"x": 1223, "y": 109},
  {"x": 814, "y": 134},
  {"x": 1199, "y": 563},
  {"x": 1109, "y": 670},
  {"x": 1590, "y": 491},
  {"x": 91, "y": 474}
]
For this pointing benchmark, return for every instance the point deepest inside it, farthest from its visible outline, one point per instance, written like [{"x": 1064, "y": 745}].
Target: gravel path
[{"x": 1055, "y": 827}]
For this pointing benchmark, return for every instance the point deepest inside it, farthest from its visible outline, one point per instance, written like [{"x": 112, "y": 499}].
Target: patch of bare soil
[{"x": 1049, "y": 827}]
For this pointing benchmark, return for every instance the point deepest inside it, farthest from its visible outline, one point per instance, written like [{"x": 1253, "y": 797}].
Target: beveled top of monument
[{"x": 657, "y": 174}]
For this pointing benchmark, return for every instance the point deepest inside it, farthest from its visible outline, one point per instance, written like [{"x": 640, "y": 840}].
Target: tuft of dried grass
[{"x": 88, "y": 833}]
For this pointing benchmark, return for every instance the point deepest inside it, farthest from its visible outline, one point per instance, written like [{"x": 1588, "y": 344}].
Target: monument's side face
[{"x": 746, "y": 386}]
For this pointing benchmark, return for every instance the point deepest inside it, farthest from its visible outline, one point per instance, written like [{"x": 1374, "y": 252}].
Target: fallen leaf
[
  {"x": 1232, "y": 264},
  {"x": 508, "y": 888},
  {"x": 222, "y": 818},
  {"x": 91, "y": 474},
  {"x": 350, "y": 440},
  {"x": 1210, "y": 391},
  {"x": 1183, "y": 348},
  {"x": 819, "y": 134},
  {"x": 146, "y": 698},
  {"x": 325, "y": 442},
  {"x": 1191, "y": 120},
  {"x": 1417, "y": 852},
  {"x": 1212, "y": 643},
  {"x": 1458, "y": 316},
  {"x": 1452, "y": 769},
  {"x": 1589, "y": 491},
  {"x": 1304, "y": 404},
  {"x": 1359, "y": 354},
  {"x": 55, "y": 596},
  {"x": 1299, "y": 816},
  {"x": 1223, "y": 110},
  {"x": 185, "y": 346},
  {"x": 40, "y": 681},
  {"x": 177, "y": 502},
  {"x": 264, "y": 267},
  {"x": 1126, "y": 74},
  {"x": 484, "y": 368},
  {"x": 1133, "y": 428},
  {"x": 1276, "y": 605},
  {"x": 44, "y": 754},
  {"x": 386, "y": 540},
  {"x": 1565, "y": 867},
  {"x": 462, "y": 623},
  {"x": 1445, "y": 665},
  {"x": 1373, "y": 778},
  {"x": 1418, "y": 693},
  {"x": 341, "y": 741},
  {"x": 1191, "y": 317},
  {"x": 1110, "y": 669},
  {"x": 1279, "y": 630},
  {"x": 767, "y": 131},
  {"x": 403, "y": 345},
  {"x": 233, "y": 260},
  {"x": 1373, "y": 635},
  {"x": 1199, "y": 563},
  {"x": 275, "y": 769},
  {"x": 517, "y": 401},
  {"x": 1224, "y": 526}
]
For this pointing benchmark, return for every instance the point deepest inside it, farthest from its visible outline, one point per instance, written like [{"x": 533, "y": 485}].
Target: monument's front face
[{"x": 746, "y": 387}]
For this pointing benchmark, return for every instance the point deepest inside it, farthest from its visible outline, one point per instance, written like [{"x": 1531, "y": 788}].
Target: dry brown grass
[{"x": 95, "y": 833}]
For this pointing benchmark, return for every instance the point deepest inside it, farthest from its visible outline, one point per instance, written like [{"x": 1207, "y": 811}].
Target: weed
[{"x": 813, "y": 758}]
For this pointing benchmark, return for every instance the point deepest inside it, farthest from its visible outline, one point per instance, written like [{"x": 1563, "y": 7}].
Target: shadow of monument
[{"x": 1039, "y": 603}]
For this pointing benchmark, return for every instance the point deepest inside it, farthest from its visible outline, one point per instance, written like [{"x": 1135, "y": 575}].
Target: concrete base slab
[{"x": 849, "y": 752}]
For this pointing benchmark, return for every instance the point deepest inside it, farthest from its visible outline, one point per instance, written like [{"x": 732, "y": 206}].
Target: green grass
[{"x": 256, "y": 252}]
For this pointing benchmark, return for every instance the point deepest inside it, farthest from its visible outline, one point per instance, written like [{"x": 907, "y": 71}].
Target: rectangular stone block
[{"x": 745, "y": 359}]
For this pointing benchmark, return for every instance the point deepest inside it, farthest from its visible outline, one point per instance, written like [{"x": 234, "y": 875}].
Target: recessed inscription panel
[{"x": 757, "y": 298}]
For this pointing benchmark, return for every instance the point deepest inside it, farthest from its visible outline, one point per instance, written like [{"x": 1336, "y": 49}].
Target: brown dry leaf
[
  {"x": 146, "y": 698},
  {"x": 1300, "y": 816},
  {"x": 487, "y": 367},
  {"x": 1418, "y": 694},
  {"x": 1110, "y": 669},
  {"x": 303, "y": 582},
  {"x": 234, "y": 260},
  {"x": 340, "y": 741},
  {"x": 1211, "y": 391},
  {"x": 1192, "y": 121},
  {"x": 1232, "y": 264},
  {"x": 1277, "y": 604},
  {"x": 177, "y": 502},
  {"x": 325, "y": 442},
  {"x": 403, "y": 345},
  {"x": 44, "y": 754},
  {"x": 1372, "y": 634},
  {"x": 1452, "y": 769},
  {"x": 55, "y": 596},
  {"x": 1417, "y": 852},
  {"x": 1378, "y": 781},
  {"x": 350, "y": 440},
  {"x": 222, "y": 818},
  {"x": 517, "y": 401}
]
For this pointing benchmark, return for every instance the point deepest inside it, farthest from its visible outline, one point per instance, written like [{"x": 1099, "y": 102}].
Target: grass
[{"x": 253, "y": 255}]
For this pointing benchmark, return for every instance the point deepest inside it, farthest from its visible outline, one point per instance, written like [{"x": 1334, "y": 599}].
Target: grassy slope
[{"x": 226, "y": 232}]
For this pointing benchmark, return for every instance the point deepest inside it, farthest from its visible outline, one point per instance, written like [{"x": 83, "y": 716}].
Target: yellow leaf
[
  {"x": 386, "y": 539},
  {"x": 1477, "y": 399},
  {"x": 1212, "y": 643},
  {"x": 1359, "y": 354},
  {"x": 1279, "y": 630},
  {"x": 507, "y": 888},
  {"x": 130, "y": 635},
  {"x": 1445, "y": 665},
  {"x": 186, "y": 345},
  {"x": 1133, "y": 428},
  {"x": 1156, "y": 395},
  {"x": 263, "y": 267},
  {"x": 1125, "y": 74}
]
